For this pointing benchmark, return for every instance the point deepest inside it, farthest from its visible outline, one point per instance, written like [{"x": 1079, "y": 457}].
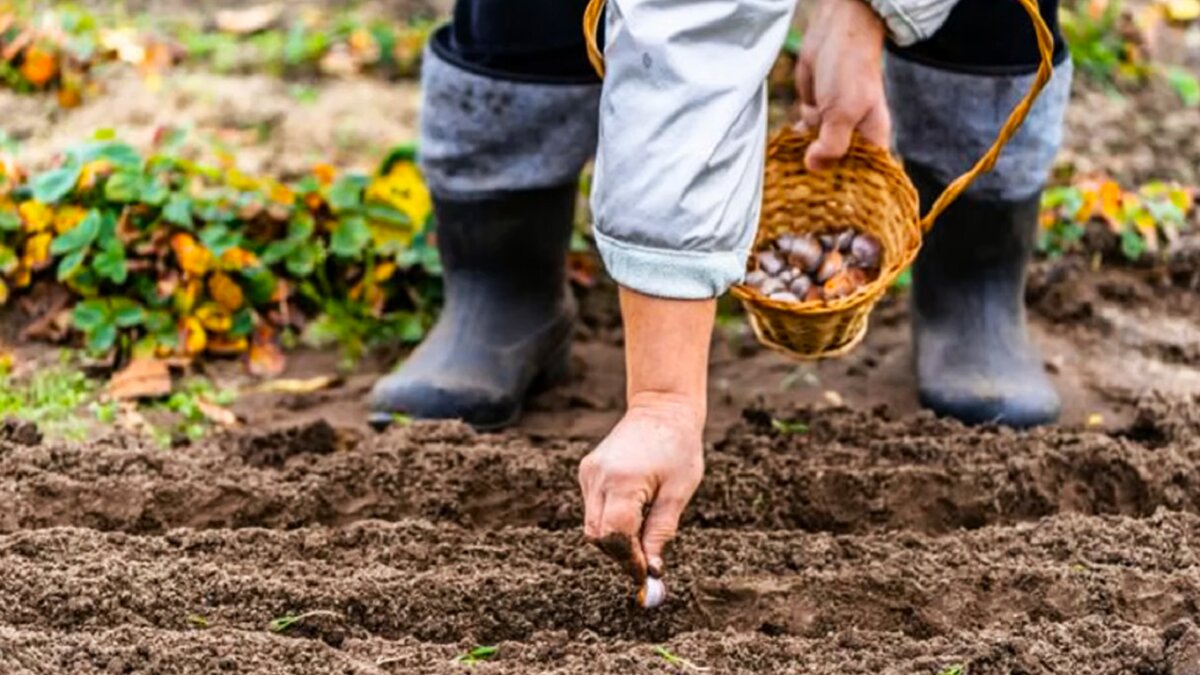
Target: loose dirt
[{"x": 882, "y": 540}]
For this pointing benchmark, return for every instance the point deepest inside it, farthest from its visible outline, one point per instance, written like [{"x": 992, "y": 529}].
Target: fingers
[
  {"x": 876, "y": 127},
  {"x": 833, "y": 141},
  {"x": 593, "y": 501},
  {"x": 620, "y": 525},
  {"x": 660, "y": 528}
]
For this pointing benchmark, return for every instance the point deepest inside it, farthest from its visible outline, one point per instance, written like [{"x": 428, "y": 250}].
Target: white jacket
[{"x": 682, "y": 134}]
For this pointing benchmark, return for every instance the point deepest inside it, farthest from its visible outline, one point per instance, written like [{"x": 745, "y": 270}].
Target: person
[{"x": 513, "y": 110}]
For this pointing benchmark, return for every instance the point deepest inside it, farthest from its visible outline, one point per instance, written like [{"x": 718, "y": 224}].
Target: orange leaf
[
  {"x": 266, "y": 359},
  {"x": 1110, "y": 201},
  {"x": 226, "y": 291},
  {"x": 39, "y": 66},
  {"x": 69, "y": 97},
  {"x": 192, "y": 336},
  {"x": 142, "y": 378},
  {"x": 227, "y": 346},
  {"x": 385, "y": 271},
  {"x": 217, "y": 414},
  {"x": 237, "y": 259},
  {"x": 192, "y": 256},
  {"x": 3, "y": 292},
  {"x": 325, "y": 173}
]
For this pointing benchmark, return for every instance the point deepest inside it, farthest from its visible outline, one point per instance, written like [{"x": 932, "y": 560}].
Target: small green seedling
[
  {"x": 476, "y": 655},
  {"x": 197, "y": 621},
  {"x": 677, "y": 661},
  {"x": 786, "y": 427},
  {"x": 285, "y": 622},
  {"x": 953, "y": 670},
  {"x": 401, "y": 420}
]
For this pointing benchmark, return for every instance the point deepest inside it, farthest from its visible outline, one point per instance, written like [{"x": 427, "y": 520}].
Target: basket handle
[{"x": 1045, "y": 43}]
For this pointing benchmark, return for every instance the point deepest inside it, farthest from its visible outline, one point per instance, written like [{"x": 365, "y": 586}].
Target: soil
[{"x": 882, "y": 540}]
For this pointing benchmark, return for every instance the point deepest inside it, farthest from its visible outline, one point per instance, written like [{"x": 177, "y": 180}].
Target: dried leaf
[
  {"x": 298, "y": 386},
  {"x": 265, "y": 359},
  {"x": 142, "y": 378},
  {"x": 249, "y": 20},
  {"x": 193, "y": 257},
  {"x": 192, "y": 336},
  {"x": 216, "y": 414}
]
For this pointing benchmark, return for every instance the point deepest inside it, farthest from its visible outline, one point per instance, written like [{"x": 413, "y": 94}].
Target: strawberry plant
[{"x": 169, "y": 258}]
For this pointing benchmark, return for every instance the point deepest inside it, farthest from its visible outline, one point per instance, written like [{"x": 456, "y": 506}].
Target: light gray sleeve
[
  {"x": 682, "y": 140},
  {"x": 911, "y": 21}
]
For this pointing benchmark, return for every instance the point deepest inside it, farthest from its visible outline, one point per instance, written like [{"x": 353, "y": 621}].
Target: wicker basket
[{"x": 867, "y": 190}]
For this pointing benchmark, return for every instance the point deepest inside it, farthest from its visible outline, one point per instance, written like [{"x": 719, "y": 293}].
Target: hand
[
  {"x": 839, "y": 80},
  {"x": 653, "y": 457}
]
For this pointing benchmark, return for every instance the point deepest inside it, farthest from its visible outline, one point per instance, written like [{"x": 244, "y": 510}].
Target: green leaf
[
  {"x": 260, "y": 285},
  {"x": 159, "y": 321},
  {"x": 346, "y": 193},
  {"x": 786, "y": 427},
  {"x": 277, "y": 250},
  {"x": 9, "y": 221},
  {"x": 154, "y": 193},
  {"x": 79, "y": 237},
  {"x": 126, "y": 313},
  {"x": 123, "y": 187},
  {"x": 302, "y": 261},
  {"x": 793, "y": 42},
  {"x": 219, "y": 238},
  {"x": 53, "y": 185},
  {"x": 1132, "y": 244},
  {"x": 8, "y": 260},
  {"x": 387, "y": 214},
  {"x": 89, "y": 314},
  {"x": 121, "y": 155},
  {"x": 243, "y": 323},
  {"x": 1185, "y": 84},
  {"x": 102, "y": 338},
  {"x": 70, "y": 264},
  {"x": 110, "y": 262},
  {"x": 350, "y": 238},
  {"x": 178, "y": 211},
  {"x": 477, "y": 654}
]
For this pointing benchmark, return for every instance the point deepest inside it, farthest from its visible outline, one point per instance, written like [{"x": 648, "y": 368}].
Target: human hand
[
  {"x": 653, "y": 457},
  {"x": 839, "y": 80}
]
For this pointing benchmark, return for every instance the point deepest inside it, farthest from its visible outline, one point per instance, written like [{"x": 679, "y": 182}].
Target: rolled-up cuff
[
  {"x": 911, "y": 21},
  {"x": 674, "y": 274}
]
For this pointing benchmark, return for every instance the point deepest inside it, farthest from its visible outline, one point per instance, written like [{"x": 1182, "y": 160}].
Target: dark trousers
[{"x": 542, "y": 40}]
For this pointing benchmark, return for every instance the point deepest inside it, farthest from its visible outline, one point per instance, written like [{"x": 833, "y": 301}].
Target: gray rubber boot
[
  {"x": 507, "y": 323},
  {"x": 974, "y": 359}
]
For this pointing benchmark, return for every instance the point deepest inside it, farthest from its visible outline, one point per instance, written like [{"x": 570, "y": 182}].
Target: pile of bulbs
[{"x": 816, "y": 267}]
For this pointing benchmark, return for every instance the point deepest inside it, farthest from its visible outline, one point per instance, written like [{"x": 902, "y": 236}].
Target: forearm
[{"x": 666, "y": 353}]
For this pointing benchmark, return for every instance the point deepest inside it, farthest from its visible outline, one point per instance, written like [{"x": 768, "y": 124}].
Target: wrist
[{"x": 670, "y": 407}]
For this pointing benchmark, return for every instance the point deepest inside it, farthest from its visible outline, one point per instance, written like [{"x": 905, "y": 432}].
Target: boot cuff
[
  {"x": 946, "y": 120},
  {"x": 480, "y": 133}
]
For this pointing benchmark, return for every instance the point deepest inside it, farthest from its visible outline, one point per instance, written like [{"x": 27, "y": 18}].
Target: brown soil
[{"x": 882, "y": 540}]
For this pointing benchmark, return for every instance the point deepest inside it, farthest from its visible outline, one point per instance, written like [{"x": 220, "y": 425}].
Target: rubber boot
[
  {"x": 508, "y": 316},
  {"x": 974, "y": 358}
]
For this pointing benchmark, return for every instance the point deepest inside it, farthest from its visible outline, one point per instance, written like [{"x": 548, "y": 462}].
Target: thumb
[
  {"x": 832, "y": 143},
  {"x": 659, "y": 529}
]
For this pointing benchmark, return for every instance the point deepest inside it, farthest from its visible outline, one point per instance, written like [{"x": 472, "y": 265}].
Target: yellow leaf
[
  {"x": 192, "y": 256},
  {"x": 67, "y": 218},
  {"x": 282, "y": 194},
  {"x": 1095, "y": 420},
  {"x": 186, "y": 295},
  {"x": 384, "y": 271},
  {"x": 226, "y": 291},
  {"x": 192, "y": 336},
  {"x": 22, "y": 277},
  {"x": 297, "y": 386},
  {"x": 1088, "y": 207},
  {"x": 1183, "y": 10},
  {"x": 36, "y": 215},
  {"x": 214, "y": 318},
  {"x": 39, "y": 66},
  {"x": 3, "y": 292},
  {"x": 91, "y": 172},
  {"x": 1182, "y": 198},
  {"x": 403, "y": 189},
  {"x": 37, "y": 251}
]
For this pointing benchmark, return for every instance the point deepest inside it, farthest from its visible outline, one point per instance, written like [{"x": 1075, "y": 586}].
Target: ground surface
[{"x": 882, "y": 541}]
